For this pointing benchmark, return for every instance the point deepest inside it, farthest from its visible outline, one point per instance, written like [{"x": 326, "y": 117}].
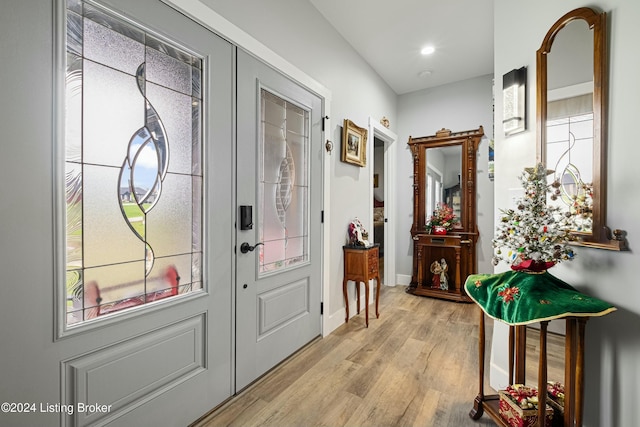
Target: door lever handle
[{"x": 246, "y": 247}]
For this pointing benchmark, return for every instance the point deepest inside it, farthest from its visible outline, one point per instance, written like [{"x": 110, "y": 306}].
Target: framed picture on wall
[{"x": 354, "y": 144}]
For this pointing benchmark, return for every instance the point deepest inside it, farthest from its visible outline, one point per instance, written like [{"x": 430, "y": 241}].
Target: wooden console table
[
  {"x": 523, "y": 299},
  {"x": 455, "y": 249},
  {"x": 361, "y": 265}
]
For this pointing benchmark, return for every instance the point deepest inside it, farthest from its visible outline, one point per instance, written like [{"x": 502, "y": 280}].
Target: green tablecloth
[{"x": 520, "y": 298}]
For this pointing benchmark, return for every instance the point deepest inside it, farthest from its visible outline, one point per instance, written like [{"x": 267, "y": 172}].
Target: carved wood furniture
[
  {"x": 361, "y": 265},
  {"x": 433, "y": 155}
]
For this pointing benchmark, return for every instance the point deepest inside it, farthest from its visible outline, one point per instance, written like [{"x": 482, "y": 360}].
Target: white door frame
[{"x": 378, "y": 131}]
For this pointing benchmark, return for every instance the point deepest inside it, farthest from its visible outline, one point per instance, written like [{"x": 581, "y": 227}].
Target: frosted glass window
[
  {"x": 133, "y": 174},
  {"x": 283, "y": 191}
]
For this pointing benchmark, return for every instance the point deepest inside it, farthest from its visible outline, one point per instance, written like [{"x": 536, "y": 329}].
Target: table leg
[
  {"x": 358, "y": 296},
  {"x": 377, "y": 295},
  {"x": 366, "y": 303},
  {"x": 542, "y": 375},
  {"x": 569, "y": 373},
  {"x": 511, "y": 352},
  {"x": 521, "y": 354},
  {"x": 579, "y": 406},
  {"x": 477, "y": 410},
  {"x": 346, "y": 299}
]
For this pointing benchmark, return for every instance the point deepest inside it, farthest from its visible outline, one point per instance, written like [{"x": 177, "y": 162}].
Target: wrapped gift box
[
  {"x": 555, "y": 398},
  {"x": 519, "y": 407},
  {"x": 555, "y": 391}
]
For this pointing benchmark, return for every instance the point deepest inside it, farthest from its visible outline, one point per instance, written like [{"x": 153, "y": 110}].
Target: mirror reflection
[
  {"x": 443, "y": 168},
  {"x": 570, "y": 125},
  {"x": 571, "y": 94}
]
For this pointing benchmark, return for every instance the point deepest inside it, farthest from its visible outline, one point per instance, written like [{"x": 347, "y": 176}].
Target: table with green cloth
[{"x": 521, "y": 297}]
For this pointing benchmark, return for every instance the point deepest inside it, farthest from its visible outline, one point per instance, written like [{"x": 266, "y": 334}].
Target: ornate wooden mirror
[
  {"x": 572, "y": 122},
  {"x": 444, "y": 170}
]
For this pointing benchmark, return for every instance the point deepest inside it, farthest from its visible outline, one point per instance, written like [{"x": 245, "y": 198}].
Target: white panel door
[
  {"x": 141, "y": 332},
  {"x": 278, "y": 245}
]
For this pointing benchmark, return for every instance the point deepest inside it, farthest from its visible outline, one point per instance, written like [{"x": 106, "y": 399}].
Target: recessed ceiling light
[
  {"x": 424, "y": 73},
  {"x": 428, "y": 50}
]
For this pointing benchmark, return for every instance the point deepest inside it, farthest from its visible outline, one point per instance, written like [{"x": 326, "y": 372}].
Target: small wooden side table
[
  {"x": 519, "y": 298},
  {"x": 361, "y": 265}
]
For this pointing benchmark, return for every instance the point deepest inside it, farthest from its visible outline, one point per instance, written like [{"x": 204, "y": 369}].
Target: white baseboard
[
  {"x": 333, "y": 322},
  {"x": 336, "y": 319},
  {"x": 403, "y": 279},
  {"x": 498, "y": 377}
]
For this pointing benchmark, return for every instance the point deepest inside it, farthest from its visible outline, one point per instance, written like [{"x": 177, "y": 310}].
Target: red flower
[
  {"x": 509, "y": 294},
  {"x": 442, "y": 216}
]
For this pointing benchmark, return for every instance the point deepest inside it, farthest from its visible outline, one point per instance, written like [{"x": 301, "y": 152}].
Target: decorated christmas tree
[{"x": 534, "y": 235}]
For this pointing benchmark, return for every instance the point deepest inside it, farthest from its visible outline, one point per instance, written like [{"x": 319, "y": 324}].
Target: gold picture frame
[{"x": 354, "y": 144}]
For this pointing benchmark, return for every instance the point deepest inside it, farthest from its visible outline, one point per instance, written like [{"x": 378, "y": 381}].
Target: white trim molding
[{"x": 376, "y": 130}]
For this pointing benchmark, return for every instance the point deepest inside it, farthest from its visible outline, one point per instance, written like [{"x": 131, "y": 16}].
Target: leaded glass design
[
  {"x": 570, "y": 156},
  {"x": 133, "y": 173},
  {"x": 283, "y": 192}
]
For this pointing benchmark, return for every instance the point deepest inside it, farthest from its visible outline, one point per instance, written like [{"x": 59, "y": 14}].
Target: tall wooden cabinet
[{"x": 444, "y": 170}]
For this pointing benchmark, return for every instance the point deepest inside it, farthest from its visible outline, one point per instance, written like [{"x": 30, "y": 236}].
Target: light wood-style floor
[{"x": 417, "y": 365}]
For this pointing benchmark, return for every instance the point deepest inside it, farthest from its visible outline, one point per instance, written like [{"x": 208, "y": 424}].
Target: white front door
[
  {"x": 279, "y": 179},
  {"x": 140, "y": 260}
]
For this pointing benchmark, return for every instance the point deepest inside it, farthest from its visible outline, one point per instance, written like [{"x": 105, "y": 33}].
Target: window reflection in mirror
[
  {"x": 443, "y": 179},
  {"x": 570, "y": 125}
]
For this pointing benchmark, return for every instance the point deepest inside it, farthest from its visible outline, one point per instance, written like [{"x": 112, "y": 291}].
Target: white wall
[
  {"x": 458, "y": 106},
  {"x": 613, "y": 341},
  {"x": 296, "y": 31}
]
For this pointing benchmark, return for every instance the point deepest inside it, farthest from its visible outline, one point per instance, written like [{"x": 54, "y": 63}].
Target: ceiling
[{"x": 390, "y": 34}]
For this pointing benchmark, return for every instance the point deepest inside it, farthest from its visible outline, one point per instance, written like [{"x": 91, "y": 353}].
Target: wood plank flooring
[{"x": 417, "y": 365}]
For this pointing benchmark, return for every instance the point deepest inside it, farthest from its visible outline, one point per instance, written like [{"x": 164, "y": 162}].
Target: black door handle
[{"x": 246, "y": 247}]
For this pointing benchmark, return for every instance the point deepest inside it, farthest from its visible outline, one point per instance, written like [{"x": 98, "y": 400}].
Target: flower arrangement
[
  {"x": 534, "y": 235},
  {"x": 443, "y": 216}
]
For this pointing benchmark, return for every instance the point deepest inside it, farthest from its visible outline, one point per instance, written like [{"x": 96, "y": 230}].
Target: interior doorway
[
  {"x": 382, "y": 152},
  {"x": 378, "y": 201}
]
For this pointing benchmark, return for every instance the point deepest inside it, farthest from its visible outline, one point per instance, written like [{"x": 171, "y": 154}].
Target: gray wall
[
  {"x": 458, "y": 106},
  {"x": 613, "y": 341}
]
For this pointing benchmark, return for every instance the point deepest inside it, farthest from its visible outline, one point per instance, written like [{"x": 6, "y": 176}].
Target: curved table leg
[{"x": 477, "y": 410}]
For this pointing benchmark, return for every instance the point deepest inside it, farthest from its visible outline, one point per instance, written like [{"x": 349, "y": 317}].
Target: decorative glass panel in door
[
  {"x": 132, "y": 166},
  {"x": 283, "y": 183}
]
